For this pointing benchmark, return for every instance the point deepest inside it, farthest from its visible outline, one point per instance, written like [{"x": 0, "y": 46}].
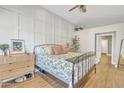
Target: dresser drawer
[
  {"x": 24, "y": 58},
  {"x": 14, "y": 72},
  {"x": 16, "y": 58},
  {"x": 15, "y": 65},
  {"x": 7, "y": 59}
]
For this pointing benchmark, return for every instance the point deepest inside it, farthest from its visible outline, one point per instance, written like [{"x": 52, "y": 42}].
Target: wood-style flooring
[
  {"x": 106, "y": 77},
  {"x": 122, "y": 60}
]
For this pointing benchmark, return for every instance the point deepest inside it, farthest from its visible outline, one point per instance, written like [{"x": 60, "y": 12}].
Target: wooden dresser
[{"x": 15, "y": 65}]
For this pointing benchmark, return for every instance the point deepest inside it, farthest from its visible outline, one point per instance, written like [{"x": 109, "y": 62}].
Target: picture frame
[{"x": 17, "y": 46}]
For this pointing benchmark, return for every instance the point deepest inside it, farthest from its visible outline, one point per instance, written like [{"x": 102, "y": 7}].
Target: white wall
[
  {"x": 108, "y": 46},
  {"x": 104, "y": 46},
  {"x": 36, "y": 26},
  {"x": 87, "y": 38}
]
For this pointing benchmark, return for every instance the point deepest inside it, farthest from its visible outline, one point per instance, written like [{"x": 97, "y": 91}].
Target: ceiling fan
[
  {"x": 78, "y": 28},
  {"x": 81, "y": 8}
]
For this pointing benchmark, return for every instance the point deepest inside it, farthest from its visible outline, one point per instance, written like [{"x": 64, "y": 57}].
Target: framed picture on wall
[{"x": 17, "y": 46}]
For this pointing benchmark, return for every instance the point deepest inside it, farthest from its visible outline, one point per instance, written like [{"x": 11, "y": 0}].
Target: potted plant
[
  {"x": 4, "y": 48},
  {"x": 75, "y": 43}
]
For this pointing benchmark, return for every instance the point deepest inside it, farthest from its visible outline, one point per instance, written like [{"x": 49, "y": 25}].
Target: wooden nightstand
[{"x": 15, "y": 65}]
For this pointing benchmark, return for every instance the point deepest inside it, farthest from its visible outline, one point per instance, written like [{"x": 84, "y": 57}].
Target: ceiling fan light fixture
[
  {"x": 81, "y": 28},
  {"x": 81, "y": 8},
  {"x": 78, "y": 28}
]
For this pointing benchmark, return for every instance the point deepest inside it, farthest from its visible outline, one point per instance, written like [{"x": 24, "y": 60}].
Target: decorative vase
[{"x": 5, "y": 53}]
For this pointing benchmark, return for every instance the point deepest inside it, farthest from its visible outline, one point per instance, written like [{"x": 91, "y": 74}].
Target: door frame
[{"x": 113, "y": 34}]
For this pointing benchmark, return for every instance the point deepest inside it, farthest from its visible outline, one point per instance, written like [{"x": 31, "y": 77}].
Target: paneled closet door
[
  {"x": 49, "y": 28},
  {"x": 39, "y": 26},
  {"x": 64, "y": 31},
  {"x": 39, "y": 32},
  {"x": 70, "y": 33},
  {"x": 26, "y": 27},
  {"x": 57, "y": 33},
  {"x": 40, "y": 14},
  {"x": 8, "y": 24},
  {"x": 26, "y": 32}
]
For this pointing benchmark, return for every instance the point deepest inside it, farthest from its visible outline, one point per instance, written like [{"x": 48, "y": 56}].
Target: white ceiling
[{"x": 96, "y": 15}]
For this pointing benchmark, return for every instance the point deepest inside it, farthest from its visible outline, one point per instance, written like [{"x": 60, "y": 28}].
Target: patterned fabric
[
  {"x": 64, "y": 56},
  {"x": 65, "y": 50},
  {"x": 62, "y": 69},
  {"x": 56, "y": 65},
  {"x": 42, "y": 50}
]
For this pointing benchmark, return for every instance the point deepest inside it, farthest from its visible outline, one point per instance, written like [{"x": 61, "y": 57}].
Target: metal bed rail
[{"x": 85, "y": 64}]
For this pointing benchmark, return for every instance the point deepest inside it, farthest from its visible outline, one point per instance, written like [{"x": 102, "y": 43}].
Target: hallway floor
[{"x": 106, "y": 76}]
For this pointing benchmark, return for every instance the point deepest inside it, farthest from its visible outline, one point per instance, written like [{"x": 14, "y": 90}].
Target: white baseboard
[
  {"x": 97, "y": 60},
  {"x": 109, "y": 54},
  {"x": 115, "y": 65}
]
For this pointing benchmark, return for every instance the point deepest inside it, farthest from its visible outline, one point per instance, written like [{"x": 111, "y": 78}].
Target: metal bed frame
[{"x": 86, "y": 60}]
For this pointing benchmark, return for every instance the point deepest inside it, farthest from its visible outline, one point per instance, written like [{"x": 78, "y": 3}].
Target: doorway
[{"x": 105, "y": 45}]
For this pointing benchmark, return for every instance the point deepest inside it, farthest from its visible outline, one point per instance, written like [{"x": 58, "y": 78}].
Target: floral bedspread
[
  {"x": 58, "y": 66},
  {"x": 64, "y": 56}
]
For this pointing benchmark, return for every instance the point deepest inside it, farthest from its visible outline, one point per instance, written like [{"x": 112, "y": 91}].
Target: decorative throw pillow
[
  {"x": 57, "y": 50},
  {"x": 65, "y": 50},
  {"x": 50, "y": 51}
]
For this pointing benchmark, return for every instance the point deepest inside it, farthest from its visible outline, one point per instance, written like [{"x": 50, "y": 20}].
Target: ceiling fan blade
[
  {"x": 82, "y": 8},
  {"x": 74, "y": 7}
]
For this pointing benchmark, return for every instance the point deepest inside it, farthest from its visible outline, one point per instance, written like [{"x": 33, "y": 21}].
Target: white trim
[
  {"x": 113, "y": 34},
  {"x": 97, "y": 60},
  {"x": 109, "y": 54},
  {"x": 115, "y": 65}
]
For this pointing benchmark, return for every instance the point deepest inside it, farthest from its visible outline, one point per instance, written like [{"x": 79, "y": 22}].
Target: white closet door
[
  {"x": 64, "y": 27},
  {"x": 39, "y": 26},
  {"x": 8, "y": 25},
  {"x": 49, "y": 28},
  {"x": 57, "y": 33},
  {"x": 26, "y": 27},
  {"x": 26, "y": 32},
  {"x": 39, "y": 32},
  {"x": 70, "y": 33},
  {"x": 40, "y": 14}
]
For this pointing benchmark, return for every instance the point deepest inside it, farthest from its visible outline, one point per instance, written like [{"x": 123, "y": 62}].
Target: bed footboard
[{"x": 84, "y": 64}]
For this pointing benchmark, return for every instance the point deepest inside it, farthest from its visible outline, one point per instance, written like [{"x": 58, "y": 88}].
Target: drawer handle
[
  {"x": 10, "y": 63},
  {"x": 28, "y": 66},
  {"x": 9, "y": 70}
]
